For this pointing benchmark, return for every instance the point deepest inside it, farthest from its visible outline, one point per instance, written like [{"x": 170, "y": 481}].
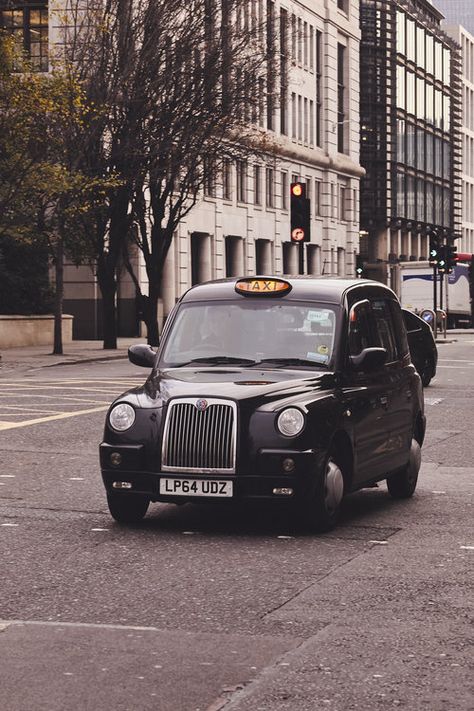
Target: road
[{"x": 203, "y": 608}]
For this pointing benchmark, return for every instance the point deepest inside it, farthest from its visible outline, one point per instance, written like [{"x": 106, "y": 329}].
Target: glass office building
[
  {"x": 458, "y": 12},
  {"x": 410, "y": 131}
]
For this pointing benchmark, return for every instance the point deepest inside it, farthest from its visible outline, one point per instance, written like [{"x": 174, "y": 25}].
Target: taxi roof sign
[{"x": 267, "y": 287}]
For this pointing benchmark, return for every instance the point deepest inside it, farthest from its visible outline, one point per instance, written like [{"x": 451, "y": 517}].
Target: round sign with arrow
[{"x": 297, "y": 235}]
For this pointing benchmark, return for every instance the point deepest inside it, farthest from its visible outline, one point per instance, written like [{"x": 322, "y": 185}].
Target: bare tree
[{"x": 180, "y": 88}]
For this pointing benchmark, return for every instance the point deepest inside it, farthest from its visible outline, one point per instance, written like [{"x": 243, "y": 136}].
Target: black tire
[
  {"x": 402, "y": 484},
  {"x": 127, "y": 508},
  {"x": 322, "y": 511},
  {"x": 426, "y": 373}
]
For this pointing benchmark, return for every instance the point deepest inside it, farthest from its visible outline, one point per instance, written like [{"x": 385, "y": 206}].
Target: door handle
[{"x": 384, "y": 401}]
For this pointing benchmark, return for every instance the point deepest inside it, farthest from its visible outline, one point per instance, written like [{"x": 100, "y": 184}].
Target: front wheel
[
  {"x": 402, "y": 484},
  {"x": 323, "y": 509},
  {"x": 127, "y": 508}
]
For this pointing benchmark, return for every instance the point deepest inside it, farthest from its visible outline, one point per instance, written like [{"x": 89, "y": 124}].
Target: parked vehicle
[
  {"x": 287, "y": 390},
  {"x": 424, "y": 353},
  {"x": 413, "y": 284}
]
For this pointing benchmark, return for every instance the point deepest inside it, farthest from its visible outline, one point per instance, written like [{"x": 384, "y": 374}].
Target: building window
[
  {"x": 241, "y": 181},
  {"x": 293, "y": 115},
  {"x": 209, "y": 179},
  {"x": 342, "y": 203},
  {"x": 284, "y": 190},
  {"x": 341, "y": 89},
  {"x": 317, "y": 198},
  {"x": 283, "y": 72},
  {"x": 227, "y": 181},
  {"x": 257, "y": 197},
  {"x": 319, "y": 69},
  {"x": 28, "y": 23},
  {"x": 270, "y": 187},
  {"x": 342, "y": 5}
]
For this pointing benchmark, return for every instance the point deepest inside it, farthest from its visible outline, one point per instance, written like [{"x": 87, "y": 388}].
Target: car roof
[{"x": 326, "y": 289}]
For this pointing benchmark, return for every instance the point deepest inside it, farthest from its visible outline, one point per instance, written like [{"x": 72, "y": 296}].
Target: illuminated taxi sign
[{"x": 262, "y": 286}]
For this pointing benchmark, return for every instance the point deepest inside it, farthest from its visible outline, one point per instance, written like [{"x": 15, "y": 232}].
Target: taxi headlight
[
  {"x": 290, "y": 422},
  {"x": 122, "y": 417}
]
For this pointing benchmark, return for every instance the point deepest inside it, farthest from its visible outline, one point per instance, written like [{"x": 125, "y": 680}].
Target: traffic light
[
  {"x": 359, "y": 266},
  {"x": 300, "y": 213},
  {"x": 441, "y": 259},
  {"x": 434, "y": 250},
  {"x": 451, "y": 250}
]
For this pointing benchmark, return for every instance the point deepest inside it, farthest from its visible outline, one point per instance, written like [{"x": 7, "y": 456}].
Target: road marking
[
  {"x": 7, "y": 623},
  {"x": 433, "y": 400},
  {"x": 453, "y": 367},
  {"x": 456, "y": 360},
  {"x": 50, "y": 418}
]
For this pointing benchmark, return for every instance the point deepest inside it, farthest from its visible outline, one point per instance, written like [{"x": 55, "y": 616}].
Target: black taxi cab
[{"x": 285, "y": 389}]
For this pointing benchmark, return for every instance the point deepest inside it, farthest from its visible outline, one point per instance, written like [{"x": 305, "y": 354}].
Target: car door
[
  {"x": 365, "y": 399},
  {"x": 391, "y": 334}
]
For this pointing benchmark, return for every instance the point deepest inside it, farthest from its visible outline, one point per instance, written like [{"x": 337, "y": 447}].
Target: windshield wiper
[
  {"x": 293, "y": 361},
  {"x": 217, "y": 360}
]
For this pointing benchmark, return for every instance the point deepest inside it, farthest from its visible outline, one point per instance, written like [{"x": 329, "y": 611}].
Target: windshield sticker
[
  {"x": 317, "y": 316},
  {"x": 317, "y": 357}
]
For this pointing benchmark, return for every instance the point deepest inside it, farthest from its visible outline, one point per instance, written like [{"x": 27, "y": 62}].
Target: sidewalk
[{"x": 75, "y": 352}]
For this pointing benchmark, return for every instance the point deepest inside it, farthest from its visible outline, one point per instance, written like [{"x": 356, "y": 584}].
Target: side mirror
[
  {"x": 142, "y": 355},
  {"x": 369, "y": 359}
]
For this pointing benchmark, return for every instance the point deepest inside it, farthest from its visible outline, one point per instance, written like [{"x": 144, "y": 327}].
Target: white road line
[
  {"x": 50, "y": 418},
  {"x": 50, "y": 397},
  {"x": 6, "y": 623},
  {"x": 455, "y": 360}
]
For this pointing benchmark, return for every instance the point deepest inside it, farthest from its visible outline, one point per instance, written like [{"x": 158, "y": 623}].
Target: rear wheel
[
  {"x": 127, "y": 509},
  {"x": 426, "y": 373},
  {"x": 323, "y": 509},
  {"x": 402, "y": 485}
]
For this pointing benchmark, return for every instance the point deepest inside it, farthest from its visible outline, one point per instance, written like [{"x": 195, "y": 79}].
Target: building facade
[
  {"x": 241, "y": 225},
  {"x": 466, "y": 41},
  {"x": 457, "y": 12},
  {"x": 410, "y": 133}
]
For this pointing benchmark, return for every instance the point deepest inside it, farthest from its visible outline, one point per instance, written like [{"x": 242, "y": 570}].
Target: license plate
[{"x": 195, "y": 487}]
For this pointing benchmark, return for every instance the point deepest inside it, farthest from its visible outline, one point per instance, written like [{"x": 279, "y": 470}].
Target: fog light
[
  {"x": 122, "y": 484},
  {"x": 115, "y": 459},
  {"x": 283, "y": 491},
  {"x": 288, "y": 464}
]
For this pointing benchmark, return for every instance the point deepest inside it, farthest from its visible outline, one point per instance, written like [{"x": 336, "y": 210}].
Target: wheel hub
[{"x": 334, "y": 486}]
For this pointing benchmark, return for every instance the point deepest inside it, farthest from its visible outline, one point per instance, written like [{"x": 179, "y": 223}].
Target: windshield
[{"x": 249, "y": 332}]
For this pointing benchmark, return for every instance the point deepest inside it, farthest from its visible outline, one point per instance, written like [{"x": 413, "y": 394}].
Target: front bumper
[{"x": 131, "y": 477}]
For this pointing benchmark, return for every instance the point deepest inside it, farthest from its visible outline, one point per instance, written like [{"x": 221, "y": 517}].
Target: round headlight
[
  {"x": 290, "y": 422},
  {"x": 122, "y": 417}
]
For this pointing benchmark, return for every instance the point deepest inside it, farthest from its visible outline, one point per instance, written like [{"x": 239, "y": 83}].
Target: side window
[
  {"x": 400, "y": 330},
  {"x": 385, "y": 328},
  {"x": 360, "y": 331},
  {"x": 412, "y": 322}
]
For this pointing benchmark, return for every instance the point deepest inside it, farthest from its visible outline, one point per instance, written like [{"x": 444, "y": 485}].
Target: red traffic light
[{"x": 298, "y": 190}]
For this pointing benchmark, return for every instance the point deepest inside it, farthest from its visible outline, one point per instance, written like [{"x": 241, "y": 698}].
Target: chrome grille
[{"x": 200, "y": 441}]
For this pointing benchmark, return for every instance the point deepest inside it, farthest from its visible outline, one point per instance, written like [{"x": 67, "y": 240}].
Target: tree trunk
[
  {"x": 149, "y": 311},
  {"x": 108, "y": 290},
  {"x": 58, "y": 297}
]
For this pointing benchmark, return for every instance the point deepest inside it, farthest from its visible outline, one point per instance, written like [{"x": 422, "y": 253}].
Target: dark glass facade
[{"x": 410, "y": 133}]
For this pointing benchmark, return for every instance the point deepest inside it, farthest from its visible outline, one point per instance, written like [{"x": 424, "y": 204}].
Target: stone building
[{"x": 242, "y": 224}]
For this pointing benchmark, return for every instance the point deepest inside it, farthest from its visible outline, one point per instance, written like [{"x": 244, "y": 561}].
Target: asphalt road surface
[{"x": 206, "y": 608}]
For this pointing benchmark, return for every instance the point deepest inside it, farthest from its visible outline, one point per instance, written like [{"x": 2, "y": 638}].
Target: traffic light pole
[
  {"x": 435, "y": 298},
  {"x": 301, "y": 258}
]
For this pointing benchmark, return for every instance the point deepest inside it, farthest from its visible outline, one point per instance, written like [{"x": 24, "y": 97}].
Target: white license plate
[{"x": 195, "y": 487}]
